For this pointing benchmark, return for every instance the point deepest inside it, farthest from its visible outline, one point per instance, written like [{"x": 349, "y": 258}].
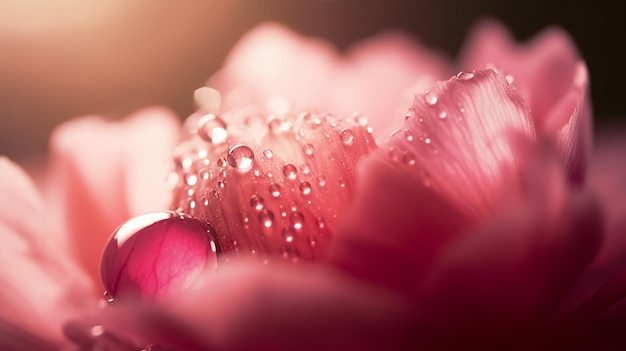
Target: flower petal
[
  {"x": 460, "y": 137},
  {"x": 39, "y": 286},
  {"x": 273, "y": 61},
  {"x": 433, "y": 178},
  {"x": 108, "y": 172},
  {"x": 509, "y": 275},
  {"x": 247, "y": 306},
  {"x": 553, "y": 80}
]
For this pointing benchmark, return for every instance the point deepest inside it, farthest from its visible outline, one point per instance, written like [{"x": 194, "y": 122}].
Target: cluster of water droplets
[
  {"x": 422, "y": 123},
  {"x": 263, "y": 181}
]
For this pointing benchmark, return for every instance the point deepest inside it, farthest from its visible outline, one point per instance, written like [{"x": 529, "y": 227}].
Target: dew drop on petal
[
  {"x": 321, "y": 181},
  {"x": 266, "y": 217},
  {"x": 463, "y": 75},
  {"x": 442, "y": 114},
  {"x": 212, "y": 128},
  {"x": 268, "y": 153},
  {"x": 297, "y": 220},
  {"x": 274, "y": 190},
  {"x": 347, "y": 136},
  {"x": 157, "y": 255},
  {"x": 290, "y": 171},
  {"x": 240, "y": 157},
  {"x": 288, "y": 234},
  {"x": 221, "y": 162},
  {"x": 306, "y": 169},
  {"x": 191, "y": 179},
  {"x": 305, "y": 188},
  {"x": 257, "y": 202},
  {"x": 308, "y": 149},
  {"x": 430, "y": 98}
]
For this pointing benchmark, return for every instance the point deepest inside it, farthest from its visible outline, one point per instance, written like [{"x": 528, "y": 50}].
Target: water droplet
[
  {"x": 191, "y": 179},
  {"x": 394, "y": 155},
  {"x": 202, "y": 153},
  {"x": 288, "y": 234},
  {"x": 427, "y": 141},
  {"x": 147, "y": 246},
  {"x": 465, "y": 75},
  {"x": 268, "y": 154},
  {"x": 306, "y": 169},
  {"x": 409, "y": 114},
  {"x": 509, "y": 78},
  {"x": 443, "y": 114},
  {"x": 212, "y": 128},
  {"x": 266, "y": 217},
  {"x": 395, "y": 132},
  {"x": 240, "y": 157},
  {"x": 321, "y": 181},
  {"x": 347, "y": 136},
  {"x": 221, "y": 162},
  {"x": 430, "y": 97},
  {"x": 257, "y": 202},
  {"x": 305, "y": 188},
  {"x": 279, "y": 125},
  {"x": 408, "y": 158},
  {"x": 308, "y": 149},
  {"x": 274, "y": 190},
  {"x": 297, "y": 220},
  {"x": 409, "y": 137},
  {"x": 186, "y": 162},
  {"x": 290, "y": 171},
  {"x": 360, "y": 119},
  {"x": 320, "y": 222},
  {"x": 108, "y": 297}
]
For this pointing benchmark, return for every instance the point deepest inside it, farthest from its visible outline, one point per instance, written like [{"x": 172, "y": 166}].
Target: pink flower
[{"x": 474, "y": 226}]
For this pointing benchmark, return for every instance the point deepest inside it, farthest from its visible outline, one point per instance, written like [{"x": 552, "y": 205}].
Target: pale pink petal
[
  {"x": 247, "y": 306},
  {"x": 39, "y": 286},
  {"x": 553, "y": 79},
  {"x": 375, "y": 78},
  {"x": 459, "y": 140},
  {"x": 107, "y": 172},
  {"x": 439, "y": 174}
]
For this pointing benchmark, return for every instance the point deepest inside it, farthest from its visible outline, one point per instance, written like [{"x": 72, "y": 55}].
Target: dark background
[{"x": 115, "y": 59}]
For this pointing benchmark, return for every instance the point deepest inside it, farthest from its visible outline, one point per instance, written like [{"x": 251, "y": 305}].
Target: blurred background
[{"x": 66, "y": 58}]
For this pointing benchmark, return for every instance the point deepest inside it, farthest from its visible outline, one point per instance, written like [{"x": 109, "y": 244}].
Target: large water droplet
[
  {"x": 157, "y": 255},
  {"x": 290, "y": 171},
  {"x": 347, "y": 136},
  {"x": 240, "y": 157},
  {"x": 212, "y": 128}
]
